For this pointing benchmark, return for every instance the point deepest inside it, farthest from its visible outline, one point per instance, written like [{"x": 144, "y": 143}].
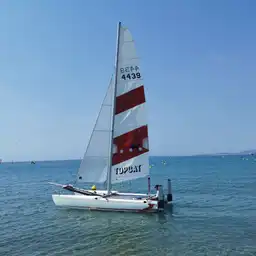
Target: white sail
[
  {"x": 94, "y": 166},
  {"x": 130, "y": 150}
]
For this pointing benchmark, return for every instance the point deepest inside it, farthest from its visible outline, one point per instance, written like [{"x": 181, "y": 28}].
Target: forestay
[
  {"x": 130, "y": 150},
  {"x": 94, "y": 166}
]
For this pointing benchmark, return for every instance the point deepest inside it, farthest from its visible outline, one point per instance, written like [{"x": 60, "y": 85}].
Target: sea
[{"x": 213, "y": 212}]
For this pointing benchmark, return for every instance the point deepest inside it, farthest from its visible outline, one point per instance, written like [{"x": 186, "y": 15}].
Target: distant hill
[
  {"x": 245, "y": 152},
  {"x": 252, "y": 151},
  {"x": 241, "y": 153}
]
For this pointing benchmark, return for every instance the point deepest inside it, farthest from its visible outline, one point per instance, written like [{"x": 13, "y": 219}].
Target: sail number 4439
[{"x": 131, "y": 72}]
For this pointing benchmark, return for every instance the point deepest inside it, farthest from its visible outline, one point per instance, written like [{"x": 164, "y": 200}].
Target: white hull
[
  {"x": 105, "y": 204},
  {"x": 125, "y": 195}
]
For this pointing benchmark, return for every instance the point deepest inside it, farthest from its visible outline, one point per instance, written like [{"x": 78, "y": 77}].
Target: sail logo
[{"x": 129, "y": 169}]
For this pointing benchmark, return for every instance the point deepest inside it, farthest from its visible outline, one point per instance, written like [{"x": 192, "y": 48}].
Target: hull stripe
[
  {"x": 146, "y": 209},
  {"x": 130, "y": 99}
]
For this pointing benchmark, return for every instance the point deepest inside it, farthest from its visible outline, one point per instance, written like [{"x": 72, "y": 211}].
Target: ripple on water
[{"x": 213, "y": 214}]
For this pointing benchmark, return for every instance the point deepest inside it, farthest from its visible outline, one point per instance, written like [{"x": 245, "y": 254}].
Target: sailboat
[{"x": 118, "y": 149}]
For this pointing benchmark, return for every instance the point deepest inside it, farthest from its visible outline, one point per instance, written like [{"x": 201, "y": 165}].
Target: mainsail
[
  {"x": 94, "y": 166},
  {"x": 130, "y": 139}
]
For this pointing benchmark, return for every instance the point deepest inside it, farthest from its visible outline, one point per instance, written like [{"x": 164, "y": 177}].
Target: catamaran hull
[
  {"x": 105, "y": 204},
  {"x": 167, "y": 198}
]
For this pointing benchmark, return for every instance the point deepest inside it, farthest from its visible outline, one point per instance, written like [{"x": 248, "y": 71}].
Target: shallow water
[{"x": 214, "y": 211}]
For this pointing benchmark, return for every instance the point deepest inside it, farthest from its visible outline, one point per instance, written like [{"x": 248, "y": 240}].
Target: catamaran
[{"x": 118, "y": 149}]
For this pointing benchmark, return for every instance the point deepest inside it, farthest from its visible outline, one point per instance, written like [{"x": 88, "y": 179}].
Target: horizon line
[{"x": 248, "y": 152}]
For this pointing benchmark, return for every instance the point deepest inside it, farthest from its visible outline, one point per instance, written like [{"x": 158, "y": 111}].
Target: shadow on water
[
  {"x": 80, "y": 214},
  {"x": 124, "y": 231}
]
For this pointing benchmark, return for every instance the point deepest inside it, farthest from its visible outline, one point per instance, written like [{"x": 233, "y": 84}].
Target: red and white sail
[{"x": 130, "y": 140}]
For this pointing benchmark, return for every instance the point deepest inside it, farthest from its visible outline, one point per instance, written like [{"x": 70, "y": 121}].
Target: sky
[{"x": 57, "y": 57}]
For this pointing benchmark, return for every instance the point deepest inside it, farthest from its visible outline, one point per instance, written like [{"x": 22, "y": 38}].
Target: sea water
[{"x": 213, "y": 213}]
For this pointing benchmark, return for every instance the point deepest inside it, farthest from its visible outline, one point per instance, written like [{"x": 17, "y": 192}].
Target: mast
[{"x": 113, "y": 112}]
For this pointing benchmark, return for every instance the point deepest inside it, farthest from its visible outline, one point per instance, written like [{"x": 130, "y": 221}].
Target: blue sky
[{"x": 56, "y": 59}]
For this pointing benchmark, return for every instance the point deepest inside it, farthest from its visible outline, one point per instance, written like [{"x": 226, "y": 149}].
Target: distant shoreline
[{"x": 243, "y": 153}]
